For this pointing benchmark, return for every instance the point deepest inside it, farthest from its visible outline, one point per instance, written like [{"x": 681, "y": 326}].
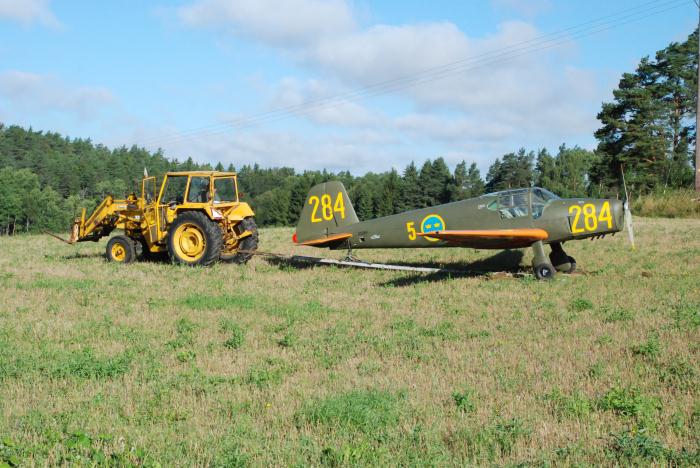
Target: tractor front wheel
[
  {"x": 120, "y": 249},
  {"x": 193, "y": 239},
  {"x": 246, "y": 245}
]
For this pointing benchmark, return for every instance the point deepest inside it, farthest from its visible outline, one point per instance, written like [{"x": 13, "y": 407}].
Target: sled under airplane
[{"x": 511, "y": 219}]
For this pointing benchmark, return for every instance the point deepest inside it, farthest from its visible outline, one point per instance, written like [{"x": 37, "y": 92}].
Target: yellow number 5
[{"x": 411, "y": 228}]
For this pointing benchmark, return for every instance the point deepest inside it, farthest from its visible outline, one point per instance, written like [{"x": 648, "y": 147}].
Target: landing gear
[
  {"x": 545, "y": 267},
  {"x": 561, "y": 261},
  {"x": 541, "y": 265},
  {"x": 350, "y": 257}
]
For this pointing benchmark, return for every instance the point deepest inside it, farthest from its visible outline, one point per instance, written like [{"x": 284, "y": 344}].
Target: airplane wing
[
  {"x": 490, "y": 238},
  {"x": 333, "y": 239}
]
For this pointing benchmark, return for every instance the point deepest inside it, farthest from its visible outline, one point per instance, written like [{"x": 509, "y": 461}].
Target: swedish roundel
[{"x": 432, "y": 223}]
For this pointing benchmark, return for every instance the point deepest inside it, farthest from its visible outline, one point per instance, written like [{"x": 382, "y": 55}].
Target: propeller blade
[
  {"x": 628, "y": 224},
  {"x": 628, "y": 211}
]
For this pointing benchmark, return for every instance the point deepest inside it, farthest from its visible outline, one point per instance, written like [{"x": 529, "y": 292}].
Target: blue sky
[{"x": 199, "y": 78}]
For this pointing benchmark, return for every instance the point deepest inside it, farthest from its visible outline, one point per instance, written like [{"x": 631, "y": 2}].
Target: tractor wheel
[
  {"x": 193, "y": 239},
  {"x": 120, "y": 249},
  {"x": 249, "y": 243}
]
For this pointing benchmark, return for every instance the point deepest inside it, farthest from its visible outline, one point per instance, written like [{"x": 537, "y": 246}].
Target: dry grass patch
[{"x": 277, "y": 364}]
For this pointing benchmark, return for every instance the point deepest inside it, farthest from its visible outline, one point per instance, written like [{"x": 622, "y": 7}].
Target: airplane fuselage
[{"x": 562, "y": 219}]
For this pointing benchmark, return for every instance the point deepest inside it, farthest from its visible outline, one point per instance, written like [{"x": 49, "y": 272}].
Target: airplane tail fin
[{"x": 326, "y": 211}]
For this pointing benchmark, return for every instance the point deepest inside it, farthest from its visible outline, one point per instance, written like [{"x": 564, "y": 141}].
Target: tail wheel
[
  {"x": 120, "y": 249},
  {"x": 247, "y": 244},
  {"x": 193, "y": 239}
]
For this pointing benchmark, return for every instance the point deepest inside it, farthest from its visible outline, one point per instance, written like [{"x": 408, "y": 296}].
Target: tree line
[{"x": 648, "y": 130}]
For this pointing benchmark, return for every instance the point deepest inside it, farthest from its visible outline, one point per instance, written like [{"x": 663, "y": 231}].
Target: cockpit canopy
[{"x": 515, "y": 203}]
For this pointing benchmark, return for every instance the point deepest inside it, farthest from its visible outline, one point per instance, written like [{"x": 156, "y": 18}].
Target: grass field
[{"x": 271, "y": 364}]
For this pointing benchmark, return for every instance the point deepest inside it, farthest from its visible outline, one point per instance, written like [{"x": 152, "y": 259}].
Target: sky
[{"x": 352, "y": 85}]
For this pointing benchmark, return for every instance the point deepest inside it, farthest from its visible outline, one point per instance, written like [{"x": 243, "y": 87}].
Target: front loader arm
[{"x": 101, "y": 222}]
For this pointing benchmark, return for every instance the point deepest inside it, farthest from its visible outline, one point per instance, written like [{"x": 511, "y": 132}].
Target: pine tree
[
  {"x": 515, "y": 170},
  {"x": 466, "y": 183},
  {"x": 411, "y": 196},
  {"x": 648, "y": 129},
  {"x": 475, "y": 185}
]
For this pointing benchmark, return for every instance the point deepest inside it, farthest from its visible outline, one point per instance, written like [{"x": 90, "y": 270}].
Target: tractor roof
[{"x": 202, "y": 173}]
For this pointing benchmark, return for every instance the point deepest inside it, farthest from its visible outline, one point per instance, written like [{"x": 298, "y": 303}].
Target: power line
[
  {"x": 537, "y": 44},
  {"x": 405, "y": 82}
]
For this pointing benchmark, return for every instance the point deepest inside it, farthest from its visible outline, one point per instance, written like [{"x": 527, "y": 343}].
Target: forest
[{"x": 648, "y": 130}]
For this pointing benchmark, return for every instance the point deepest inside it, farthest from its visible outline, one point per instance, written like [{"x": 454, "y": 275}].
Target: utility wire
[
  {"x": 537, "y": 44},
  {"x": 401, "y": 83}
]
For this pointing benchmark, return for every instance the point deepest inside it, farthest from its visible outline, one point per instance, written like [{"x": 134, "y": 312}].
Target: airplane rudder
[{"x": 327, "y": 207}]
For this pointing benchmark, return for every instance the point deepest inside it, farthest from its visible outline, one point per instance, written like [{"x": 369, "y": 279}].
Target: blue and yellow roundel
[{"x": 432, "y": 223}]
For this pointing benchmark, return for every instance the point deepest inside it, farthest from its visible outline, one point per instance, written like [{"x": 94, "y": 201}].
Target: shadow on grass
[
  {"x": 148, "y": 258},
  {"x": 80, "y": 255},
  {"x": 507, "y": 261}
]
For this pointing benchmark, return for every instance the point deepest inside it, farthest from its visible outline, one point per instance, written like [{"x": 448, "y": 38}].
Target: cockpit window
[
  {"x": 544, "y": 194},
  {"x": 540, "y": 198},
  {"x": 513, "y": 204}
]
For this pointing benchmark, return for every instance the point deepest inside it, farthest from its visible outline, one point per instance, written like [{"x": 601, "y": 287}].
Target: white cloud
[
  {"x": 359, "y": 151},
  {"x": 278, "y": 22},
  {"x": 322, "y": 103},
  {"x": 488, "y": 81},
  {"x": 28, "y": 11},
  {"x": 451, "y": 129},
  {"x": 27, "y": 92},
  {"x": 472, "y": 97}
]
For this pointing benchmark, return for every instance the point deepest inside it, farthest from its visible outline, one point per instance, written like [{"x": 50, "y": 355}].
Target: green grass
[{"x": 271, "y": 364}]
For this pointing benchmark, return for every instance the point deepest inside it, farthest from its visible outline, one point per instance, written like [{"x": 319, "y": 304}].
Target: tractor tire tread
[{"x": 212, "y": 236}]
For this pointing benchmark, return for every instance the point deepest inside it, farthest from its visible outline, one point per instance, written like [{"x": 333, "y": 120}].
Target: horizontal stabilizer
[
  {"x": 490, "y": 238},
  {"x": 327, "y": 241}
]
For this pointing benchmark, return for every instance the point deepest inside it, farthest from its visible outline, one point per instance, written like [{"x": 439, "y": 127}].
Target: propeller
[{"x": 628, "y": 212}]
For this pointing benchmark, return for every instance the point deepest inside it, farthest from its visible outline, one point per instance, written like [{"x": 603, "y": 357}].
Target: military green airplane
[{"x": 519, "y": 218}]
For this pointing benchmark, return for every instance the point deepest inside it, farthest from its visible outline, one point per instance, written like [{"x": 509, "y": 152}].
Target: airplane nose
[{"x": 618, "y": 212}]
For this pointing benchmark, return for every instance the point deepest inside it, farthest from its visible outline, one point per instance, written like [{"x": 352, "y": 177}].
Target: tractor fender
[{"x": 240, "y": 212}]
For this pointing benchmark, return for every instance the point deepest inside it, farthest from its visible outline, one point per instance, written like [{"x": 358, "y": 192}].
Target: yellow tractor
[{"x": 196, "y": 217}]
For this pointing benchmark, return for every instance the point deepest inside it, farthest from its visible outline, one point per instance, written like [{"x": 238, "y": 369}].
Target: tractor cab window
[
  {"x": 540, "y": 199},
  {"x": 513, "y": 204},
  {"x": 199, "y": 190},
  {"x": 224, "y": 190},
  {"x": 149, "y": 190},
  {"x": 174, "y": 190}
]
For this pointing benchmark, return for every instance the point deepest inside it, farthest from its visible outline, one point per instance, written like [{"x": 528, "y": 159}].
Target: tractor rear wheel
[
  {"x": 120, "y": 249},
  {"x": 247, "y": 244},
  {"x": 193, "y": 239}
]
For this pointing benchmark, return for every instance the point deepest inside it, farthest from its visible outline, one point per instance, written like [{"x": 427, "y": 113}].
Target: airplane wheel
[
  {"x": 544, "y": 271},
  {"x": 572, "y": 261}
]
